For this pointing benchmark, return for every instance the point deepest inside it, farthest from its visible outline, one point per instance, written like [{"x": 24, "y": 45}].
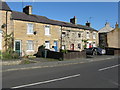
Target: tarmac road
[{"x": 98, "y": 74}]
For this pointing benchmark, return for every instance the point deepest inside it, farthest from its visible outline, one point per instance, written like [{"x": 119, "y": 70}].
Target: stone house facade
[
  {"x": 6, "y": 25},
  {"x": 31, "y": 31},
  {"x": 114, "y": 38},
  {"x": 103, "y": 35}
]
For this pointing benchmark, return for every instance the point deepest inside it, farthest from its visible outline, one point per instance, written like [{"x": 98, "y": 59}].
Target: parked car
[{"x": 95, "y": 51}]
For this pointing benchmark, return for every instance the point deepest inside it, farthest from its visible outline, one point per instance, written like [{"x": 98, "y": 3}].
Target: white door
[
  {"x": 0, "y": 41},
  {"x": 47, "y": 44}
]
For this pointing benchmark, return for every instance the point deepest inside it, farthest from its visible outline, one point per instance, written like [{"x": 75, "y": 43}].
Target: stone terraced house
[{"x": 31, "y": 31}]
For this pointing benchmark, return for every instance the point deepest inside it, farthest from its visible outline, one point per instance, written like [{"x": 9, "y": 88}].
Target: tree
[
  {"x": 8, "y": 38},
  {"x": 85, "y": 42}
]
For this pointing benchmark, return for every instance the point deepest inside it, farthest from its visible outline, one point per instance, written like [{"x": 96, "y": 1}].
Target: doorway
[
  {"x": 56, "y": 46},
  {"x": 72, "y": 47},
  {"x": 18, "y": 46}
]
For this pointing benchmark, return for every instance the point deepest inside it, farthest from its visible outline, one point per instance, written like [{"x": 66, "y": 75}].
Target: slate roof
[
  {"x": 4, "y": 6},
  {"x": 106, "y": 29},
  {"x": 42, "y": 19}
]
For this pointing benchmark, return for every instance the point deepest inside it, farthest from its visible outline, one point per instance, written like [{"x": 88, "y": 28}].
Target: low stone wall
[
  {"x": 74, "y": 55},
  {"x": 117, "y": 52},
  {"x": 68, "y": 55}
]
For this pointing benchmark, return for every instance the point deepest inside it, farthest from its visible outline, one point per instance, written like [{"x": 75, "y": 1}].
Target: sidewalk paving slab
[{"x": 54, "y": 63}]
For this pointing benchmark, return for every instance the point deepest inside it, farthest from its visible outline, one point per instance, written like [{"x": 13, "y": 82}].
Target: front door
[
  {"x": 90, "y": 45},
  {"x": 72, "y": 47},
  {"x": 18, "y": 47},
  {"x": 56, "y": 46},
  {"x": 47, "y": 45}
]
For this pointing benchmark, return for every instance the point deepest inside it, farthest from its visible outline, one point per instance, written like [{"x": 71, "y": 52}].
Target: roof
[
  {"x": 4, "y": 6},
  {"x": 106, "y": 29},
  {"x": 42, "y": 19}
]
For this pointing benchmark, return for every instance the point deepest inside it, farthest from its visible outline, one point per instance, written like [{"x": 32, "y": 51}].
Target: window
[
  {"x": 29, "y": 28},
  {"x": 47, "y": 30},
  {"x": 79, "y": 46},
  {"x": 88, "y": 36},
  {"x": 29, "y": 45},
  {"x": 94, "y": 35},
  {"x": 63, "y": 34},
  {"x": 63, "y": 47},
  {"x": 79, "y": 35},
  {"x": 94, "y": 44},
  {"x": 47, "y": 44}
]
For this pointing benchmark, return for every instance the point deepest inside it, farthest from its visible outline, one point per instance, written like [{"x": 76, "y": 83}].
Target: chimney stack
[
  {"x": 73, "y": 20},
  {"x": 27, "y": 10},
  {"x": 88, "y": 24},
  {"x": 116, "y": 25}
]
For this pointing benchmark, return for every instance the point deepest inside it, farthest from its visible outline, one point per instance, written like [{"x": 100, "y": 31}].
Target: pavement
[{"x": 45, "y": 63}]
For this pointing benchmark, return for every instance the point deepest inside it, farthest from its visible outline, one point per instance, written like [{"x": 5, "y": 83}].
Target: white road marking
[
  {"x": 46, "y": 81},
  {"x": 108, "y": 67}
]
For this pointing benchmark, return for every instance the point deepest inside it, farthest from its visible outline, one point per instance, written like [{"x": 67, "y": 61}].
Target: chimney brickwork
[{"x": 27, "y": 10}]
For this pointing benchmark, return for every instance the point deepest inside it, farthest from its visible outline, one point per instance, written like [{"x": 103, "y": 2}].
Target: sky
[{"x": 97, "y": 13}]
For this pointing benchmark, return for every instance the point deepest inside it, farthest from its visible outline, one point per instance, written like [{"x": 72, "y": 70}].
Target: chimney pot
[
  {"x": 116, "y": 25},
  {"x": 73, "y": 20},
  {"x": 27, "y": 10},
  {"x": 88, "y": 24}
]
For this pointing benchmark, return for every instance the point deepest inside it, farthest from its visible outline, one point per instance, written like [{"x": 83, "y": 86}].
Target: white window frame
[
  {"x": 32, "y": 45},
  {"x": 29, "y": 28},
  {"x": 47, "y": 29},
  {"x": 45, "y": 45},
  {"x": 63, "y": 35},
  {"x": 94, "y": 35},
  {"x": 63, "y": 47}
]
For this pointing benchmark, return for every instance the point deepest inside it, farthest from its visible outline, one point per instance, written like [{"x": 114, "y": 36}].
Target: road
[{"x": 98, "y": 74}]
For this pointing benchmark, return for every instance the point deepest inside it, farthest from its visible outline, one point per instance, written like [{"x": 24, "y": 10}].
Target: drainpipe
[{"x": 6, "y": 29}]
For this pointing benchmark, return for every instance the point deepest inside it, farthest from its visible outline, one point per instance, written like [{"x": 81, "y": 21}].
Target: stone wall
[{"x": 114, "y": 38}]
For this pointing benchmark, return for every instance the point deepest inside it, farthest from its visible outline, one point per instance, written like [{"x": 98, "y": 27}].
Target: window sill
[
  {"x": 30, "y": 34},
  {"x": 30, "y": 51},
  {"x": 48, "y": 35}
]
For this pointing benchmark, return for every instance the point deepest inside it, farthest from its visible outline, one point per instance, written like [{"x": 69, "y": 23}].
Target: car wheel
[{"x": 95, "y": 52}]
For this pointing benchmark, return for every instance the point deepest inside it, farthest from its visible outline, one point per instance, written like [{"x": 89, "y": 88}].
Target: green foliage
[
  {"x": 8, "y": 38},
  {"x": 64, "y": 51},
  {"x": 0, "y": 55},
  {"x": 85, "y": 42},
  {"x": 25, "y": 62},
  {"x": 9, "y": 55}
]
